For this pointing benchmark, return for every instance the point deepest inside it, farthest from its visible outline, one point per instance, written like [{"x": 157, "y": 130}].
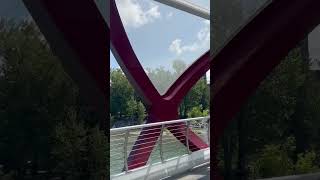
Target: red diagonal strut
[
  {"x": 160, "y": 108},
  {"x": 250, "y": 56},
  {"x": 80, "y": 40},
  {"x": 78, "y": 35}
]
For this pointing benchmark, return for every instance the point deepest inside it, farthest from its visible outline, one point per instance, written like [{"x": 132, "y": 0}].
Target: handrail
[
  {"x": 173, "y": 142},
  {"x": 115, "y": 130}
]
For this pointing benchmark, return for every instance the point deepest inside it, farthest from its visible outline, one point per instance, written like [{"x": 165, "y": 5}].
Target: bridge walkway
[{"x": 201, "y": 172}]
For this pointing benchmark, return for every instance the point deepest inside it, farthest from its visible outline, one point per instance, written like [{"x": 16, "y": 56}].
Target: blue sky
[{"x": 160, "y": 34}]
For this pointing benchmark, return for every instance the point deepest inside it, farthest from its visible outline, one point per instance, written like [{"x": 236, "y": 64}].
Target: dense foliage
[
  {"x": 46, "y": 127},
  {"x": 277, "y": 132}
]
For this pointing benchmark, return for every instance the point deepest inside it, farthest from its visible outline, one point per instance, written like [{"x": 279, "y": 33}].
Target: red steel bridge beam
[
  {"x": 79, "y": 36},
  {"x": 241, "y": 65},
  {"x": 160, "y": 108},
  {"x": 238, "y": 69}
]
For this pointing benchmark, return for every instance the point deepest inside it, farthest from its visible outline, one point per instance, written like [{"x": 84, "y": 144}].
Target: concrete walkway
[{"x": 201, "y": 173}]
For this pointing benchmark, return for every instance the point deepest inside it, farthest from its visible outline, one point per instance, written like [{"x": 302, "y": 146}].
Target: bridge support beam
[
  {"x": 160, "y": 108},
  {"x": 79, "y": 36},
  {"x": 238, "y": 69}
]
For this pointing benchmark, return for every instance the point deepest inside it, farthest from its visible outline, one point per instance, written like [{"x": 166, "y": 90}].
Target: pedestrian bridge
[{"x": 171, "y": 156}]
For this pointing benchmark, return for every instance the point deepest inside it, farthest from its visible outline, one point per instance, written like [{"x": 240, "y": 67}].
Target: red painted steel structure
[
  {"x": 79, "y": 36},
  {"x": 238, "y": 69},
  {"x": 160, "y": 108}
]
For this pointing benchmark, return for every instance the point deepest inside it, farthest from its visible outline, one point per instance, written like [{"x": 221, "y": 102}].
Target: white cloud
[
  {"x": 177, "y": 48},
  {"x": 169, "y": 15},
  {"x": 133, "y": 15},
  {"x": 202, "y": 41}
]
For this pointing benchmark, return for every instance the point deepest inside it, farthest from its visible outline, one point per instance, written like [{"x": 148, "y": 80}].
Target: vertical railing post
[
  {"x": 160, "y": 143},
  {"x": 125, "y": 150},
  {"x": 187, "y": 136},
  {"x": 208, "y": 131}
]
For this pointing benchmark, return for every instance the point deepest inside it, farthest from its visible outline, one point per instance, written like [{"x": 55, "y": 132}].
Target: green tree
[
  {"x": 79, "y": 152},
  {"x": 141, "y": 112},
  {"x": 198, "y": 112},
  {"x": 285, "y": 105},
  {"x": 36, "y": 95},
  {"x": 273, "y": 162},
  {"x": 179, "y": 67},
  {"x": 306, "y": 163},
  {"x": 34, "y": 91},
  {"x": 71, "y": 148},
  {"x": 136, "y": 110},
  {"x": 98, "y": 154},
  {"x": 121, "y": 92},
  {"x": 161, "y": 78},
  {"x": 197, "y": 96}
]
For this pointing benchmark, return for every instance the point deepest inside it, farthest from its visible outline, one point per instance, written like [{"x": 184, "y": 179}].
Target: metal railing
[{"x": 164, "y": 146}]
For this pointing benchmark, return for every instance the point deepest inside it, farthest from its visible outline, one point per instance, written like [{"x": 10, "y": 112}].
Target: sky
[{"x": 160, "y": 34}]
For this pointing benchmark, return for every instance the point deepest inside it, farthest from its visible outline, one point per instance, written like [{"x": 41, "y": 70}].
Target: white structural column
[{"x": 188, "y": 7}]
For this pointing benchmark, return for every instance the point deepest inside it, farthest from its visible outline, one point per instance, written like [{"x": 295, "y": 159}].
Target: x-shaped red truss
[
  {"x": 160, "y": 108},
  {"x": 78, "y": 34}
]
